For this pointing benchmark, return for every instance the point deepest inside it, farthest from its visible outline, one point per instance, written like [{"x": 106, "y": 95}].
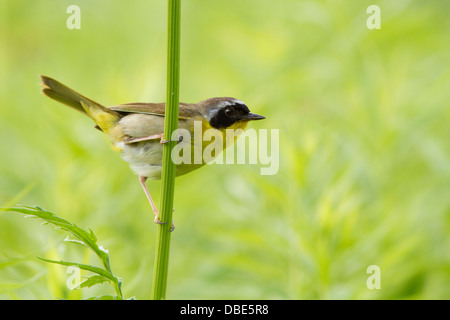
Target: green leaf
[
  {"x": 88, "y": 238},
  {"x": 75, "y": 241},
  {"x": 82, "y": 237},
  {"x": 106, "y": 297},
  {"x": 87, "y": 267},
  {"x": 93, "y": 280}
]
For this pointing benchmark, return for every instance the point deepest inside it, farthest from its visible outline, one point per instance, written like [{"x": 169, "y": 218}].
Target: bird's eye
[{"x": 229, "y": 112}]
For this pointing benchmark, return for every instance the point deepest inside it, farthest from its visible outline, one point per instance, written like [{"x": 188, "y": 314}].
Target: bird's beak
[{"x": 253, "y": 116}]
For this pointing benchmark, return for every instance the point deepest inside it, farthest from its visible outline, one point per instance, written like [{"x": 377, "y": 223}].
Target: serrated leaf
[
  {"x": 83, "y": 237},
  {"x": 67, "y": 239},
  {"x": 86, "y": 237},
  {"x": 86, "y": 267},
  {"x": 93, "y": 280}
]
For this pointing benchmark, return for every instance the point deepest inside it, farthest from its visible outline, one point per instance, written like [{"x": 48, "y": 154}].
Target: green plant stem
[{"x": 168, "y": 167}]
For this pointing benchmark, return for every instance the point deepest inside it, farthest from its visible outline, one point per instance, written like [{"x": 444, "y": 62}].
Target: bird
[{"x": 136, "y": 130}]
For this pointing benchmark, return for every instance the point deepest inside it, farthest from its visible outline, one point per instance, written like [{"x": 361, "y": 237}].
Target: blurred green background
[{"x": 364, "y": 173}]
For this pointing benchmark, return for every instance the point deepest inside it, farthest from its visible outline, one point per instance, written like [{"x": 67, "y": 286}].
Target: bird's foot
[
  {"x": 157, "y": 221},
  {"x": 163, "y": 141}
]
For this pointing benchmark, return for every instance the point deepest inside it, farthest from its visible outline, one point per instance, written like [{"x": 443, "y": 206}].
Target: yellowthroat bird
[{"x": 136, "y": 129}]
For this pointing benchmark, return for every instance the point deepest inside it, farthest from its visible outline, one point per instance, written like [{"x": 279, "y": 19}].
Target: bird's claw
[
  {"x": 163, "y": 141},
  {"x": 158, "y": 221}
]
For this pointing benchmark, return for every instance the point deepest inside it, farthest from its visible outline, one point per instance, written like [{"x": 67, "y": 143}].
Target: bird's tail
[{"x": 103, "y": 117}]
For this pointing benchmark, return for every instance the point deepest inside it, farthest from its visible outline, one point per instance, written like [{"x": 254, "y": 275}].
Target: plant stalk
[{"x": 168, "y": 167}]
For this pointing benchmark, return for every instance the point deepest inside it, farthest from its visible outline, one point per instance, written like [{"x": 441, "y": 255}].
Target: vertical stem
[{"x": 168, "y": 167}]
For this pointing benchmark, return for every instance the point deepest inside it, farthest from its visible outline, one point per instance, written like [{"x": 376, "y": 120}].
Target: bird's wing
[
  {"x": 144, "y": 120},
  {"x": 156, "y": 109}
]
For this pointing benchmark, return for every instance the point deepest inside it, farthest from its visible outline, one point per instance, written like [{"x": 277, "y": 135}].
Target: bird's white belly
[{"x": 144, "y": 158}]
